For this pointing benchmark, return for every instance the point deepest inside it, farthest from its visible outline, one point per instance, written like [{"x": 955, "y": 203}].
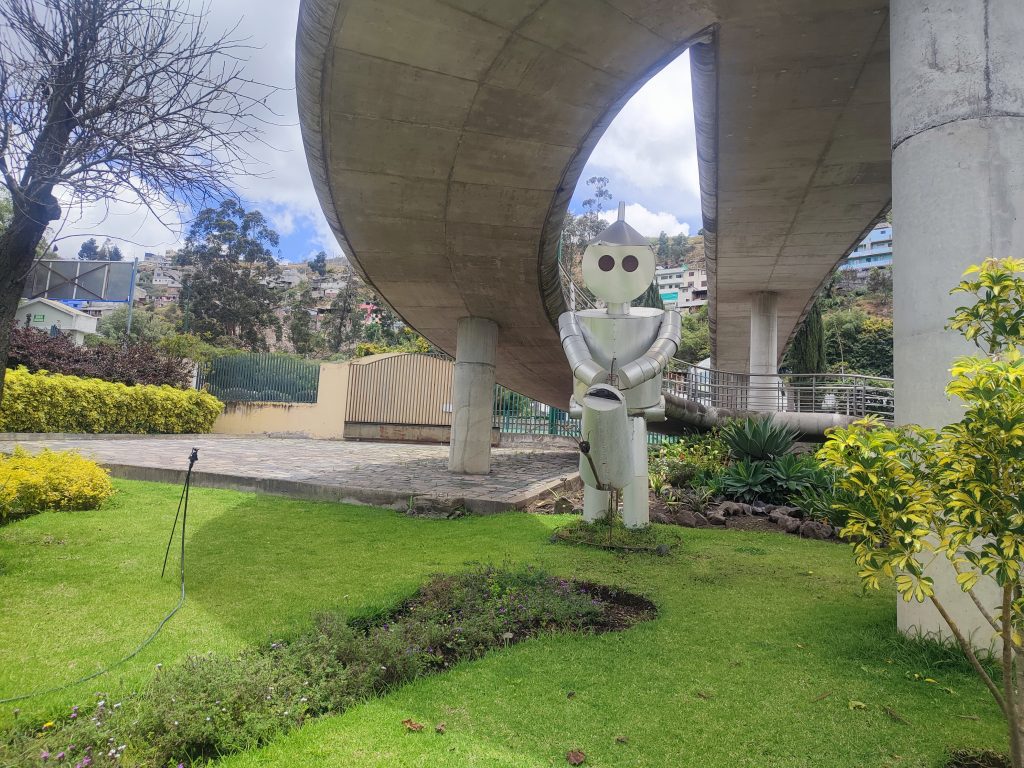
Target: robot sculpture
[{"x": 617, "y": 357}]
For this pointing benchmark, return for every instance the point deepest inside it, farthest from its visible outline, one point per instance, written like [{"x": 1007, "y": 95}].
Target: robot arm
[
  {"x": 576, "y": 351},
  {"x": 655, "y": 359}
]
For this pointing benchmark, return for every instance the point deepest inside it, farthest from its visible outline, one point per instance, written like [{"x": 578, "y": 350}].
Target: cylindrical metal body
[{"x": 615, "y": 341}]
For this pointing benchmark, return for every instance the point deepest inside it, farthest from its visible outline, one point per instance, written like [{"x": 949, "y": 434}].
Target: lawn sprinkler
[
  {"x": 616, "y": 399},
  {"x": 183, "y": 514}
]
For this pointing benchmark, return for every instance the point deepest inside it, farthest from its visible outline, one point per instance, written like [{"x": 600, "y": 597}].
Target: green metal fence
[
  {"x": 260, "y": 377},
  {"x": 517, "y": 414}
]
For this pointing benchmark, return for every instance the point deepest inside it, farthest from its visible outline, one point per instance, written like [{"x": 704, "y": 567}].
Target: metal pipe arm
[
  {"x": 656, "y": 358},
  {"x": 584, "y": 368}
]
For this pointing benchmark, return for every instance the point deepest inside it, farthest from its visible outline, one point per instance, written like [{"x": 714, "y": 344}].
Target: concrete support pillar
[
  {"x": 473, "y": 396},
  {"x": 764, "y": 352},
  {"x": 958, "y": 198}
]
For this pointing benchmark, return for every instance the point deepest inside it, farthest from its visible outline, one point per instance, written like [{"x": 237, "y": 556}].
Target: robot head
[{"x": 618, "y": 265}]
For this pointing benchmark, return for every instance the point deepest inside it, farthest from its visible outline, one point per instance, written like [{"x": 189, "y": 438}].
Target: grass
[{"x": 761, "y": 643}]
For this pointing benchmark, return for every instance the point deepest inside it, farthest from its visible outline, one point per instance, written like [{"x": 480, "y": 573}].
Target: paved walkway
[{"x": 384, "y": 474}]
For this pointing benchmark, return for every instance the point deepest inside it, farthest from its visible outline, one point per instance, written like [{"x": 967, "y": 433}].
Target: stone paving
[{"x": 368, "y": 472}]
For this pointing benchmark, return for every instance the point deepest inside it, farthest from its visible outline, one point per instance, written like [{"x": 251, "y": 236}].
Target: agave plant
[
  {"x": 758, "y": 439},
  {"x": 747, "y": 481}
]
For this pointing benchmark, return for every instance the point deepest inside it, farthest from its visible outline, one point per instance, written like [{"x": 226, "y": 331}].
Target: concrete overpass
[{"x": 445, "y": 138}]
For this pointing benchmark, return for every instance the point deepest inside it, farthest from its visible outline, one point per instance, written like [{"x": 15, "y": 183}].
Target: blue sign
[{"x": 670, "y": 296}]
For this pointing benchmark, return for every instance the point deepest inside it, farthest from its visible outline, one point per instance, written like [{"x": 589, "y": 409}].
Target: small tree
[
  {"x": 913, "y": 495},
  {"x": 89, "y": 250},
  {"x": 318, "y": 264}
]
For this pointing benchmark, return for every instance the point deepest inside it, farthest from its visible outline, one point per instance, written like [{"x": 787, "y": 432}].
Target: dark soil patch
[
  {"x": 963, "y": 758},
  {"x": 620, "y": 609}
]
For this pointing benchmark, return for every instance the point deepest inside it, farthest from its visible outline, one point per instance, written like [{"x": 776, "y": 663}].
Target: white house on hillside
[{"x": 44, "y": 314}]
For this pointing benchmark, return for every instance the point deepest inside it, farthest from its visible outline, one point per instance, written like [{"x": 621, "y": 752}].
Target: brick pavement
[{"x": 365, "y": 472}]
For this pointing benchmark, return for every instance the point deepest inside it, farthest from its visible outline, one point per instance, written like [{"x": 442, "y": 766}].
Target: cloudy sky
[{"x": 648, "y": 155}]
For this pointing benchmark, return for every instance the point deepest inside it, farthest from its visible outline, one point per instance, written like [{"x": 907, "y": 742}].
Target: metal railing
[
  {"x": 260, "y": 377},
  {"x": 846, "y": 394}
]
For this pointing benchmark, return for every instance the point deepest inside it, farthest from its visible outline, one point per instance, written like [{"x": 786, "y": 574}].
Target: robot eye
[
  {"x": 630, "y": 263},
  {"x": 606, "y": 263}
]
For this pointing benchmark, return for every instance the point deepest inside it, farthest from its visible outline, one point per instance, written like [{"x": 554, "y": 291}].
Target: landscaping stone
[
  {"x": 788, "y": 524},
  {"x": 734, "y": 508},
  {"x": 716, "y": 517},
  {"x": 814, "y": 530},
  {"x": 776, "y": 514},
  {"x": 687, "y": 519},
  {"x": 563, "y": 506}
]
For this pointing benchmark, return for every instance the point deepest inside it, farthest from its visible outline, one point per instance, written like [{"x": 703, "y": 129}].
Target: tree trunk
[{"x": 18, "y": 245}]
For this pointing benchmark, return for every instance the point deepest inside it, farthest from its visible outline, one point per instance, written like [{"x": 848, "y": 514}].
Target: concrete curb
[{"x": 313, "y": 491}]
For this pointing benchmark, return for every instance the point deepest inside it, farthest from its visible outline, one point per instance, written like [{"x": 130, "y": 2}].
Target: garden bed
[{"x": 214, "y": 705}]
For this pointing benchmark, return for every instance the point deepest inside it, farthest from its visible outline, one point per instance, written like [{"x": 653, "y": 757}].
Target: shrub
[
  {"x": 694, "y": 461},
  {"x": 130, "y": 364},
  {"x": 913, "y": 494},
  {"x": 757, "y": 438},
  {"x": 51, "y": 480},
  {"x": 41, "y": 402}
]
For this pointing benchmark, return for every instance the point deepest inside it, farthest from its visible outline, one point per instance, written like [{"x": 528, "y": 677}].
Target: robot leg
[
  {"x": 636, "y": 511},
  {"x": 595, "y": 504}
]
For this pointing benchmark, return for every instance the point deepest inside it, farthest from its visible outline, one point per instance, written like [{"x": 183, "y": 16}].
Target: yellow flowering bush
[
  {"x": 45, "y": 402},
  {"x": 51, "y": 480}
]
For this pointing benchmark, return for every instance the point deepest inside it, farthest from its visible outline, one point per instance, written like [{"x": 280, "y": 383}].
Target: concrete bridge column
[
  {"x": 957, "y": 80},
  {"x": 473, "y": 396},
  {"x": 764, "y": 352}
]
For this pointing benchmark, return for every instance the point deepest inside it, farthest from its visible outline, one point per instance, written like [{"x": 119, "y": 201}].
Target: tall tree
[
  {"x": 109, "y": 251},
  {"x": 578, "y": 231},
  {"x": 318, "y": 264},
  {"x": 227, "y": 296},
  {"x": 89, "y": 250},
  {"x": 344, "y": 318},
  {"x": 807, "y": 352},
  {"x": 662, "y": 249},
  {"x": 112, "y": 99},
  {"x": 300, "y": 323}
]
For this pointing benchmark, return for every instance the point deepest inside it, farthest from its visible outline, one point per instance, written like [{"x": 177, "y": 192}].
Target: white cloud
[
  {"x": 284, "y": 191},
  {"x": 649, "y": 223},
  {"x": 650, "y": 149}
]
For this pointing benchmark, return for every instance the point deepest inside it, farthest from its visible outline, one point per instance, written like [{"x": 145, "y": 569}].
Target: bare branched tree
[{"x": 105, "y": 100}]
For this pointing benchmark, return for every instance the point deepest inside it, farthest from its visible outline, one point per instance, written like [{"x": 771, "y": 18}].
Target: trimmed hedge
[
  {"x": 45, "y": 402},
  {"x": 57, "y": 480}
]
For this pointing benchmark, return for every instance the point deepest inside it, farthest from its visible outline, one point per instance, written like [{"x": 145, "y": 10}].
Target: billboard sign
[{"x": 68, "y": 281}]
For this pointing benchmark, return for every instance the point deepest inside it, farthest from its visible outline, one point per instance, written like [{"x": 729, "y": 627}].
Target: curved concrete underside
[{"x": 445, "y": 138}]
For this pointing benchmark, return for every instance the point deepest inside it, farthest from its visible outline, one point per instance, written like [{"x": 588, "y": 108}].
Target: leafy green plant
[
  {"x": 793, "y": 474},
  {"x": 747, "y": 481},
  {"x": 692, "y": 461},
  {"x": 913, "y": 495},
  {"x": 757, "y": 438}
]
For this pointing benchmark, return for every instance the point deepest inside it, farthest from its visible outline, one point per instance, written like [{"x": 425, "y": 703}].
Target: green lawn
[{"x": 754, "y": 631}]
